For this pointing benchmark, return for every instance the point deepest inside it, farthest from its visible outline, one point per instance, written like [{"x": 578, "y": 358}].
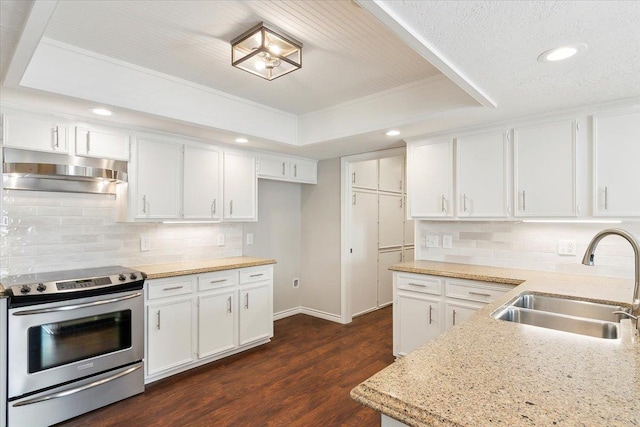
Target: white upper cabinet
[
  {"x": 545, "y": 170},
  {"x": 158, "y": 179},
  {"x": 102, "y": 143},
  {"x": 201, "y": 189},
  {"x": 240, "y": 183},
  {"x": 40, "y": 133},
  {"x": 616, "y": 147},
  {"x": 431, "y": 179},
  {"x": 284, "y": 168},
  {"x": 482, "y": 175},
  {"x": 392, "y": 174},
  {"x": 364, "y": 174}
]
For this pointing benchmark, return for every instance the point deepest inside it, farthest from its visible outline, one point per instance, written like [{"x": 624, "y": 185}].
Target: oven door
[{"x": 54, "y": 343}]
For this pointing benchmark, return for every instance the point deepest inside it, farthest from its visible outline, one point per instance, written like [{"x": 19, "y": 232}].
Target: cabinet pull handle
[
  {"x": 144, "y": 203},
  {"x": 56, "y": 143},
  {"x": 256, "y": 275},
  {"x": 442, "y": 208},
  {"x": 158, "y": 322},
  {"x": 218, "y": 281},
  {"x": 295, "y": 171},
  {"x": 231, "y": 207},
  {"x": 283, "y": 168},
  {"x": 524, "y": 201},
  {"x": 401, "y": 256},
  {"x": 229, "y": 305},
  {"x": 454, "y": 318},
  {"x": 88, "y": 142},
  {"x": 172, "y": 288},
  {"x": 430, "y": 311},
  {"x": 213, "y": 207},
  {"x": 246, "y": 300},
  {"x": 353, "y": 178},
  {"x": 353, "y": 200},
  {"x": 480, "y": 294},
  {"x": 400, "y": 185},
  {"x": 418, "y": 284},
  {"x": 464, "y": 203},
  {"x": 400, "y": 202},
  {"x": 606, "y": 198}
]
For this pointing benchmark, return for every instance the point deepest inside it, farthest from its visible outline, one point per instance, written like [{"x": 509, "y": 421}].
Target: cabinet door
[
  {"x": 169, "y": 333},
  {"x": 158, "y": 179},
  {"x": 431, "y": 179},
  {"x": 391, "y": 174},
  {"x": 256, "y": 313},
  {"x": 385, "y": 276},
  {"x": 545, "y": 178},
  {"x": 35, "y": 133},
  {"x": 409, "y": 224},
  {"x": 217, "y": 324},
  {"x": 391, "y": 220},
  {"x": 458, "y": 311},
  {"x": 364, "y": 174},
  {"x": 363, "y": 241},
  {"x": 272, "y": 167},
  {"x": 617, "y": 175},
  {"x": 408, "y": 254},
  {"x": 102, "y": 143},
  {"x": 419, "y": 320},
  {"x": 201, "y": 190},
  {"x": 304, "y": 171},
  {"x": 482, "y": 175},
  {"x": 240, "y": 185}
]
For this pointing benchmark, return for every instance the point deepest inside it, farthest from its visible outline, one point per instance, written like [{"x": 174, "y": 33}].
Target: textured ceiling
[{"x": 347, "y": 53}]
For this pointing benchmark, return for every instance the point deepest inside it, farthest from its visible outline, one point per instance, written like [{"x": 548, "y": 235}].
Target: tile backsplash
[
  {"x": 532, "y": 246},
  {"x": 59, "y": 231}
]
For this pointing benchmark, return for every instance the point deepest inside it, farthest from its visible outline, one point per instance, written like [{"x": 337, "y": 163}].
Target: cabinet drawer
[
  {"x": 162, "y": 288},
  {"x": 218, "y": 279},
  {"x": 255, "y": 274},
  {"x": 474, "y": 291},
  {"x": 419, "y": 283}
]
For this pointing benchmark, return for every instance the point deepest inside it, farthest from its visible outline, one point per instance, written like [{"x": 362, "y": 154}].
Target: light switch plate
[
  {"x": 249, "y": 238},
  {"x": 145, "y": 244},
  {"x": 567, "y": 247},
  {"x": 447, "y": 241},
  {"x": 431, "y": 241},
  {"x": 220, "y": 239}
]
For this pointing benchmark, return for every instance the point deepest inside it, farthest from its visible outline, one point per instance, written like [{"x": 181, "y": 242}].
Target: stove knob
[
  {"x": 41, "y": 287},
  {"x": 25, "y": 289},
  {"x": 122, "y": 277},
  {"x": 133, "y": 276}
]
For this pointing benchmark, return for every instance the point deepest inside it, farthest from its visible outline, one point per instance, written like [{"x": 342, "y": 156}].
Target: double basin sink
[{"x": 563, "y": 314}]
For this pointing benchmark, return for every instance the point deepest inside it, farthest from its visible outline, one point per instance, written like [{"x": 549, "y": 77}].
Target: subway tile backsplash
[
  {"x": 59, "y": 231},
  {"x": 531, "y": 246}
]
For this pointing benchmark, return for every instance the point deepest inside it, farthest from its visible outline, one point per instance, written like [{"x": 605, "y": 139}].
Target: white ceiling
[{"x": 472, "y": 53}]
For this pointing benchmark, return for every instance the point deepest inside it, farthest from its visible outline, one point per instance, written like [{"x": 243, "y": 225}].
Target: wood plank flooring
[{"x": 301, "y": 378}]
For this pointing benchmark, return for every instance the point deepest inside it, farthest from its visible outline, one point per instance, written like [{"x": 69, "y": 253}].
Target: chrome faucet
[{"x": 588, "y": 260}]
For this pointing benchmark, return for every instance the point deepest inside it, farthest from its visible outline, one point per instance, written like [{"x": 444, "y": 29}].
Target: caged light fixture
[{"x": 265, "y": 53}]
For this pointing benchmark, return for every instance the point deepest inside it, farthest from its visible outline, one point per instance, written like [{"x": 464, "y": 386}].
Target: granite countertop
[
  {"x": 492, "y": 372},
  {"x": 158, "y": 271}
]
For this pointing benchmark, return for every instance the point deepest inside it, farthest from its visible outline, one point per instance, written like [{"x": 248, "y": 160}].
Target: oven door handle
[
  {"x": 75, "y": 307},
  {"x": 77, "y": 389}
]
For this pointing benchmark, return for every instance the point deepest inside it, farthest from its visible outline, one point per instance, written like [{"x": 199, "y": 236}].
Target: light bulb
[
  {"x": 274, "y": 49},
  {"x": 260, "y": 65}
]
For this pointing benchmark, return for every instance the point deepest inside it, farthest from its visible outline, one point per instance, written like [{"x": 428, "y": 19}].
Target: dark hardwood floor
[{"x": 301, "y": 378}]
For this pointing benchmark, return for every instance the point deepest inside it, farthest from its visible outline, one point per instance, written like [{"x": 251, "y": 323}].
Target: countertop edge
[
  {"x": 216, "y": 265},
  {"x": 458, "y": 275}
]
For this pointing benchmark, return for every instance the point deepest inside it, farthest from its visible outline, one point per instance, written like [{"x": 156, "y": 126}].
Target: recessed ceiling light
[
  {"x": 392, "y": 132},
  {"x": 101, "y": 111},
  {"x": 562, "y": 52},
  {"x": 242, "y": 140}
]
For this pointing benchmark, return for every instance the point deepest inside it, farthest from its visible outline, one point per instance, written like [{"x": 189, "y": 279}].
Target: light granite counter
[
  {"x": 158, "y": 271},
  {"x": 491, "y": 372}
]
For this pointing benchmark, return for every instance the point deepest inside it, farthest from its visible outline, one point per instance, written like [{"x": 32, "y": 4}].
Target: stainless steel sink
[{"x": 563, "y": 314}]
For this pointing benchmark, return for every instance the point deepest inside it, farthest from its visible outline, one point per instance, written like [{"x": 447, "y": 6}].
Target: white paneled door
[{"x": 363, "y": 252}]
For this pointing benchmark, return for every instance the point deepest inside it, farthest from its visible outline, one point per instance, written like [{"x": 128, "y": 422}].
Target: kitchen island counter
[
  {"x": 158, "y": 271},
  {"x": 491, "y": 372}
]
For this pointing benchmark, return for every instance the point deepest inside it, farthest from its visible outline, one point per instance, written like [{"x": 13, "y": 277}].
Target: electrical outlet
[
  {"x": 249, "y": 238},
  {"x": 447, "y": 241},
  {"x": 220, "y": 239},
  {"x": 145, "y": 244},
  {"x": 431, "y": 241},
  {"x": 296, "y": 282},
  {"x": 567, "y": 247}
]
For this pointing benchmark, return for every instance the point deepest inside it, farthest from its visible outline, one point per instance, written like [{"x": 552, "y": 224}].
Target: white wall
[
  {"x": 277, "y": 235},
  {"x": 59, "y": 231},
  {"x": 531, "y": 246},
  {"x": 320, "y": 272}
]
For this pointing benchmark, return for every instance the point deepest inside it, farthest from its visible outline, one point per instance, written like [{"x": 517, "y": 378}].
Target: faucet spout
[{"x": 589, "y": 256}]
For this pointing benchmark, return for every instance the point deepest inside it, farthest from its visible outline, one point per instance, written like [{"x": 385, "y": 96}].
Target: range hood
[{"x": 41, "y": 171}]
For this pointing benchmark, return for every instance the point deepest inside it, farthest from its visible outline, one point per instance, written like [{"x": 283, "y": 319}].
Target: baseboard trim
[
  {"x": 309, "y": 312},
  {"x": 286, "y": 313}
]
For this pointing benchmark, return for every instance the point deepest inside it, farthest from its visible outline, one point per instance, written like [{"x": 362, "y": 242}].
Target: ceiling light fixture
[
  {"x": 561, "y": 52},
  {"x": 101, "y": 111},
  {"x": 265, "y": 53},
  {"x": 242, "y": 140},
  {"x": 392, "y": 132}
]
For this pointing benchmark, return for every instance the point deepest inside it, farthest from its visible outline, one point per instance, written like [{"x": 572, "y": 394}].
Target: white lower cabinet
[
  {"x": 187, "y": 325},
  {"x": 425, "y": 306}
]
